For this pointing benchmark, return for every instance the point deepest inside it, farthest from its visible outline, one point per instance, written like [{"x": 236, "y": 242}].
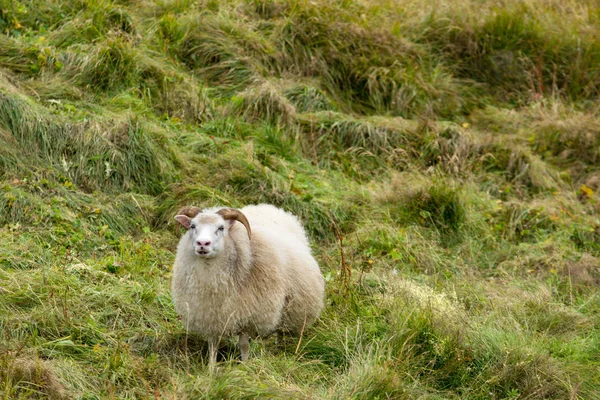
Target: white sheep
[{"x": 228, "y": 280}]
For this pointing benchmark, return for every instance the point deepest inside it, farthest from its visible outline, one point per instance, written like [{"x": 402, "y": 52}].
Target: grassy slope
[{"x": 445, "y": 158}]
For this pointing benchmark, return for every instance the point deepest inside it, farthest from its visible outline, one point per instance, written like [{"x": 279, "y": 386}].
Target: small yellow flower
[
  {"x": 587, "y": 192},
  {"x": 465, "y": 125}
]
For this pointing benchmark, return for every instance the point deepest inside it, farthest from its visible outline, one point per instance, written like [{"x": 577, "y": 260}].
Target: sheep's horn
[
  {"x": 190, "y": 211},
  {"x": 232, "y": 213}
]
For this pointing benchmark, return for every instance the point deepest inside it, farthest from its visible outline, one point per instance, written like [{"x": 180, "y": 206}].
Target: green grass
[{"x": 443, "y": 157}]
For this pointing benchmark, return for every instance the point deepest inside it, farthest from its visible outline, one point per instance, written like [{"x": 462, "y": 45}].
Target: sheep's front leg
[
  {"x": 212, "y": 352},
  {"x": 244, "y": 344}
]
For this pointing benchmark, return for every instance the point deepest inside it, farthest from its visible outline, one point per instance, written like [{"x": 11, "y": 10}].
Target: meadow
[{"x": 444, "y": 157}]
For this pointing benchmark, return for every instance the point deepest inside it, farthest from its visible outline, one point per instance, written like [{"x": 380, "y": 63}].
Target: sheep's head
[{"x": 207, "y": 230}]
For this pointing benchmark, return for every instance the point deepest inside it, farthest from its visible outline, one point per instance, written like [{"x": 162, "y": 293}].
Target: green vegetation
[{"x": 444, "y": 157}]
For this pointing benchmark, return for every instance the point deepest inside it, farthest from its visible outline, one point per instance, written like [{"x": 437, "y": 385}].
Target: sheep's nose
[{"x": 201, "y": 243}]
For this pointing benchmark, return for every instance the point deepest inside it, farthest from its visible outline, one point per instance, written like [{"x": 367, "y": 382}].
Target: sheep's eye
[
  {"x": 221, "y": 228},
  {"x": 192, "y": 226}
]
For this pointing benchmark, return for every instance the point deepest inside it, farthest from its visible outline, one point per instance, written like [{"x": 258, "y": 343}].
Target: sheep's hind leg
[
  {"x": 244, "y": 344},
  {"x": 212, "y": 352}
]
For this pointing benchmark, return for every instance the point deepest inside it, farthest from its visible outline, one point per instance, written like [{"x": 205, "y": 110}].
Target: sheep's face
[{"x": 206, "y": 233}]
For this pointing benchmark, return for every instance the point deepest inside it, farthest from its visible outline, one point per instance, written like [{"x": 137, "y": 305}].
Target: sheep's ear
[
  {"x": 230, "y": 222},
  {"x": 184, "y": 220}
]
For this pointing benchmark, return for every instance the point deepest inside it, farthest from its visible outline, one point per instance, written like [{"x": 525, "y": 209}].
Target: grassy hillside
[{"x": 444, "y": 157}]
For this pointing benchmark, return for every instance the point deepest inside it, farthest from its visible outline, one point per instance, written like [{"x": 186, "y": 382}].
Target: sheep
[{"x": 231, "y": 279}]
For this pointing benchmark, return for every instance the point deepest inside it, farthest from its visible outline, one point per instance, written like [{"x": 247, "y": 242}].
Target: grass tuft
[
  {"x": 111, "y": 66},
  {"x": 124, "y": 156},
  {"x": 439, "y": 206},
  {"x": 265, "y": 102},
  {"x": 30, "y": 377}
]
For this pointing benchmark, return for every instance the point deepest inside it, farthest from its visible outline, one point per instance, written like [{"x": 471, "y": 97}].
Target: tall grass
[
  {"x": 520, "y": 52},
  {"x": 443, "y": 157},
  {"x": 124, "y": 156}
]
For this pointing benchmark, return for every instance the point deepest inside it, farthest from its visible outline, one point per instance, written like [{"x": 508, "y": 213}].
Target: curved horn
[
  {"x": 232, "y": 213},
  {"x": 190, "y": 211}
]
